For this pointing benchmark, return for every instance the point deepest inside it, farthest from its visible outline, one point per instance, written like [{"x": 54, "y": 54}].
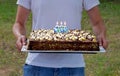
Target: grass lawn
[{"x": 105, "y": 64}]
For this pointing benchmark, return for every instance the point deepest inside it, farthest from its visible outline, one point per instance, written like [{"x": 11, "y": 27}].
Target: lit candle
[
  {"x": 65, "y": 27},
  {"x": 56, "y": 27}
]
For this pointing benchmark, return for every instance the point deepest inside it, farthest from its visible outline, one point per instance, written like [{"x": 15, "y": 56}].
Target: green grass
[{"x": 106, "y": 64}]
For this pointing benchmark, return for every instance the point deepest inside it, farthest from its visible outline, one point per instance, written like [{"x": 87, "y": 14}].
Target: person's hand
[
  {"x": 102, "y": 41},
  {"x": 21, "y": 40}
]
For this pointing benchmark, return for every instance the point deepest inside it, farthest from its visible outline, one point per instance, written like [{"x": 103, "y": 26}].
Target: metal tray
[{"x": 102, "y": 50}]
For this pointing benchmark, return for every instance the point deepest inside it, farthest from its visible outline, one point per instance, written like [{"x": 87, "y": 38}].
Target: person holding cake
[{"x": 45, "y": 13}]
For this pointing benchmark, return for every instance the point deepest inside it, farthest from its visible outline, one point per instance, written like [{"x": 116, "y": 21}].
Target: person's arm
[
  {"x": 19, "y": 26},
  {"x": 98, "y": 26}
]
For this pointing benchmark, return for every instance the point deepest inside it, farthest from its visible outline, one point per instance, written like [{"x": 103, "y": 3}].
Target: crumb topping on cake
[{"x": 71, "y": 35}]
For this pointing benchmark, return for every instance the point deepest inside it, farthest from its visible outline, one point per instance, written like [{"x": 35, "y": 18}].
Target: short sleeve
[
  {"x": 25, "y": 3},
  {"x": 89, "y": 4}
]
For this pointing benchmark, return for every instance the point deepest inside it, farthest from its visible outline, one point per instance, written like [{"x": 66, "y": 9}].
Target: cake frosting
[{"x": 71, "y": 35}]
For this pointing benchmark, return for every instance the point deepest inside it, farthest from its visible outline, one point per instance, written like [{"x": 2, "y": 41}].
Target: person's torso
[{"x": 47, "y": 12}]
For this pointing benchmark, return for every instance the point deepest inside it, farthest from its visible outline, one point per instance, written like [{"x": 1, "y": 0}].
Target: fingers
[
  {"x": 24, "y": 40},
  {"x": 100, "y": 41},
  {"x": 18, "y": 45},
  {"x": 20, "y": 42},
  {"x": 103, "y": 41}
]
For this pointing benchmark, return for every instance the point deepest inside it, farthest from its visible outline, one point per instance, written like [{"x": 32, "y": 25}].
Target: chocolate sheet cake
[{"x": 72, "y": 40}]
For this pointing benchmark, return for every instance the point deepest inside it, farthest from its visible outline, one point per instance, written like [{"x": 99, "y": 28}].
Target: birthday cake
[{"x": 61, "y": 38}]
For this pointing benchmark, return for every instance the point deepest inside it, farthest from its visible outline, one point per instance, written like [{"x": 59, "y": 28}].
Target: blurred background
[{"x": 103, "y": 64}]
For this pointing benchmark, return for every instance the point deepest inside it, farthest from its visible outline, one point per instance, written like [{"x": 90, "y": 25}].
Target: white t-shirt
[{"x": 45, "y": 13}]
